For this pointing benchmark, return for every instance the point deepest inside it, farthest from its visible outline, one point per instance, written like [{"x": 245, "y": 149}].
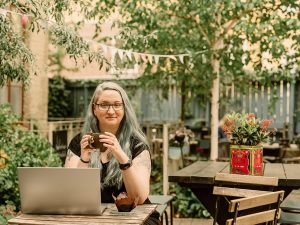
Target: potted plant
[
  {"x": 247, "y": 133},
  {"x": 179, "y": 143}
]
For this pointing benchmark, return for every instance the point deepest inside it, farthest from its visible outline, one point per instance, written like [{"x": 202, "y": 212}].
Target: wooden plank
[
  {"x": 226, "y": 169},
  {"x": 207, "y": 174},
  {"x": 236, "y": 192},
  {"x": 292, "y": 202},
  {"x": 292, "y": 174},
  {"x": 110, "y": 216},
  {"x": 165, "y": 158},
  {"x": 184, "y": 175},
  {"x": 255, "y": 201},
  {"x": 246, "y": 179},
  {"x": 275, "y": 170},
  {"x": 160, "y": 199},
  {"x": 255, "y": 218},
  {"x": 65, "y": 222}
]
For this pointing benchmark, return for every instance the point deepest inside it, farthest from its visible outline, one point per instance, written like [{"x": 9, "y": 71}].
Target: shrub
[
  {"x": 185, "y": 203},
  {"x": 19, "y": 148}
]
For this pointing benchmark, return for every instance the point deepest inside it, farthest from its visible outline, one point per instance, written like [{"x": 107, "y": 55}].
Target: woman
[{"x": 125, "y": 163}]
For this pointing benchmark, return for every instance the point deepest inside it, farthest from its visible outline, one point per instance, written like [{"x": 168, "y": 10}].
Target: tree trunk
[
  {"x": 215, "y": 109},
  {"x": 183, "y": 100}
]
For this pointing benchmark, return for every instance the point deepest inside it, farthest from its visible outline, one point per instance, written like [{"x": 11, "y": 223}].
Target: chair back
[
  {"x": 264, "y": 215},
  {"x": 236, "y": 190}
]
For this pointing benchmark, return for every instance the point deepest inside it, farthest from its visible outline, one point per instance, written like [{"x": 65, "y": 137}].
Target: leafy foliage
[
  {"x": 239, "y": 41},
  {"x": 59, "y": 98},
  {"x": 14, "y": 55},
  {"x": 17, "y": 60},
  {"x": 20, "y": 148},
  {"x": 185, "y": 203},
  {"x": 245, "y": 129},
  {"x": 7, "y": 212}
]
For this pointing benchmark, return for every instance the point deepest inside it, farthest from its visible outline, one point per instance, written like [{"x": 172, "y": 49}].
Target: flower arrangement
[{"x": 245, "y": 129}]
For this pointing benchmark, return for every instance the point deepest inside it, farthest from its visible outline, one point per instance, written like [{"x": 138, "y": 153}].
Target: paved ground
[{"x": 191, "y": 221}]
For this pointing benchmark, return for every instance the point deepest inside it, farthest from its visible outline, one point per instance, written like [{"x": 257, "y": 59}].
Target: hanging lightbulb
[{"x": 24, "y": 21}]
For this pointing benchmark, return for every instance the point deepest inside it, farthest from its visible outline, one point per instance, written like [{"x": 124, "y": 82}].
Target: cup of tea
[{"x": 94, "y": 142}]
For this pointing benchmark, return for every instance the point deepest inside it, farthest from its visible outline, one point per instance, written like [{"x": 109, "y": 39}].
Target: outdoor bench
[{"x": 162, "y": 202}]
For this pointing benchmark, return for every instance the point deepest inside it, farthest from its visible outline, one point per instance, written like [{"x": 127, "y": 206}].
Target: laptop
[{"x": 56, "y": 190}]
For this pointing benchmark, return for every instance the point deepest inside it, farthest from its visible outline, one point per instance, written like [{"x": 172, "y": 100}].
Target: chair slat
[
  {"x": 255, "y": 201},
  {"x": 246, "y": 179},
  {"x": 255, "y": 218},
  {"x": 236, "y": 192}
]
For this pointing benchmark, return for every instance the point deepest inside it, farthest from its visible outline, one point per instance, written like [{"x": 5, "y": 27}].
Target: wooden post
[
  {"x": 165, "y": 158},
  {"x": 50, "y": 132},
  {"x": 215, "y": 111}
]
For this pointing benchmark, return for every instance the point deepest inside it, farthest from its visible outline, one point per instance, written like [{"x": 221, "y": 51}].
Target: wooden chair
[{"x": 243, "y": 202}]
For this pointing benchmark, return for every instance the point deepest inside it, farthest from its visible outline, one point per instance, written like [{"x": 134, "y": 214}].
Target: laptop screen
[{"x": 56, "y": 190}]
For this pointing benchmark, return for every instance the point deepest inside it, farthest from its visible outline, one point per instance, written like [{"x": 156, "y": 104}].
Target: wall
[{"x": 36, "y": 95}]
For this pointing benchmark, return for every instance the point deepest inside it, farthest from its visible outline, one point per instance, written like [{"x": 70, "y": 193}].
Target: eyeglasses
[{"x": 105, "y": 106}]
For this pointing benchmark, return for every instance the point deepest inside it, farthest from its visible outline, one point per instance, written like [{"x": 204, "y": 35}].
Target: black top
[{"x": 106, "y": 192}]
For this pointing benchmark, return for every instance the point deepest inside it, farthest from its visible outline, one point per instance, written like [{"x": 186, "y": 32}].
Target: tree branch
[{"x": 193, "y": 19}]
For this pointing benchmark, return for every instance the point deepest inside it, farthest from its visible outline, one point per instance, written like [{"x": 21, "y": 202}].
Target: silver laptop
[{"x": 56, "y": 190}]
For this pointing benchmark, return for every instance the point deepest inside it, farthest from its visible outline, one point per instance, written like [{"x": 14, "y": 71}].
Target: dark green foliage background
[
  {"x": 185, "y": 203},
  {"x": 24, "y": 148},
  {"x": 59, "y": 98}
]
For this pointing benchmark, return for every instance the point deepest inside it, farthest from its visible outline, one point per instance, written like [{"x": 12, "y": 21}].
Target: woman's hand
[
  {"x": 110, "y": 141},
  {"x": 85, "y": 147},
  {"x": 112, "y": 144}
]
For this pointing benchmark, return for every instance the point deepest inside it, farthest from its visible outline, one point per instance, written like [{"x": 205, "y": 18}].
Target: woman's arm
[
  {"x": 73, "y": 160},
  {"x": 137, "y": 177}
]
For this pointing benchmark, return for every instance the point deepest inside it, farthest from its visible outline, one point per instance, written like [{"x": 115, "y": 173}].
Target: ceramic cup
[{"x": 94, "y": 142}]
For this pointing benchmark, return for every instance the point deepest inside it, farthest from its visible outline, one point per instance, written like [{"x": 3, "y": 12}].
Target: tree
[
  {"x": 16, "y": 59},
  {"x": 229, "y": 40}
]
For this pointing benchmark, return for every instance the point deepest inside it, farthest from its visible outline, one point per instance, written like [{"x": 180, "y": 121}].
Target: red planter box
[{"x": 247, "y": 160}]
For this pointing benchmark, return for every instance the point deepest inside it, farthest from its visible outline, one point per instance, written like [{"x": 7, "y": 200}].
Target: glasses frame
[{"x": 98, "y": 105}]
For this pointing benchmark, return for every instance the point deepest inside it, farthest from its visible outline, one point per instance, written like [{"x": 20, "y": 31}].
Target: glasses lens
[
  {"x": 117, "y": 106},
  {"x": 105, "y": 107}
]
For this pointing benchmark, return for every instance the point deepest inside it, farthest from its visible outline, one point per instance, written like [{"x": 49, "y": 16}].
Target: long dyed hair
[{"x": 129, "y": 128}]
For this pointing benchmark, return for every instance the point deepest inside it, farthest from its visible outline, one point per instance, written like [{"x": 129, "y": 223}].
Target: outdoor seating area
[
  {"x": 160, "y": 112},
  {"x": 210, "y": 180}
]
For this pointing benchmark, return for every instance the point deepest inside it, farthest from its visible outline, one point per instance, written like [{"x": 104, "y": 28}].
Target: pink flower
[
  {"x": 265, "y": 124},
  {"x": 251, "y": 116},
  {"x": 245, "y": 129},
  {"x": 227, "y": 126}
]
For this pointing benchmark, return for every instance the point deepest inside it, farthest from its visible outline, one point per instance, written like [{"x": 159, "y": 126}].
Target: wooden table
[
  {"x": 199, "y": 177},
  {"x": 110, "y": 216}
]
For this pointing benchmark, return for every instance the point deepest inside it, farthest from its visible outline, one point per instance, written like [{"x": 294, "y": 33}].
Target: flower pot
[
  {"x": 247, "y": 160},
  {"x": 174, "y": 153}
]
